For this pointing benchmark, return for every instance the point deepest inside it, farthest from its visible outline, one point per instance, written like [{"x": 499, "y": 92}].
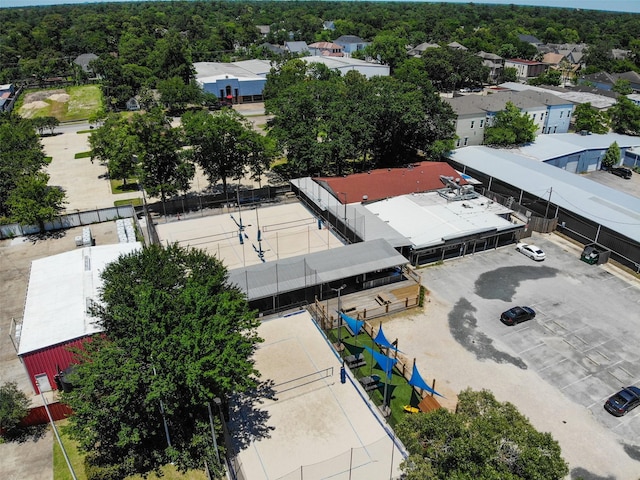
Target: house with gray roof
[
  {"x": 418, "y": 50},
  {"x": 599, "y": 99},
  {"x": 494, "y": 62},
  {"x": 351, "y": 43},
  {"x": 299, "y": 48},
  {"x": 83, "y": 61},
  {"x": 474, "y": 113}
]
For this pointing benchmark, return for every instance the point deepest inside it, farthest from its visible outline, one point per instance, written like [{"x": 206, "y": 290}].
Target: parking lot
[{"x": 582, "y": 345}]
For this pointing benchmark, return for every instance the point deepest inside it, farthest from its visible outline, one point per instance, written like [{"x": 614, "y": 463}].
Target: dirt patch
[
  {"x": 43, "y": 95},
  {"x": 35, "y": 105},
  {"x": 60, "y": 97}
]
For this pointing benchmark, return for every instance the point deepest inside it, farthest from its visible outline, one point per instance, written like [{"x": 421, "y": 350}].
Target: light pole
[
  {"x": 55, "y": 430},
  {"x": 339, "y": 289}
]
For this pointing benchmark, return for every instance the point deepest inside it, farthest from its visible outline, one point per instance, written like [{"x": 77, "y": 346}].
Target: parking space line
[
  {"x": 577, "y": 381},
  {"x": 531, "y": 348},
  {"x": 564, "y": 359}
]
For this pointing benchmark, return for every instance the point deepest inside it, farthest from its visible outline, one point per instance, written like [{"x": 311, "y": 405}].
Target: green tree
[
  {"x": 550, "y": 77},
  {"x": 176, "y": 336},
  {"x": 160, "y": 154},
  {"x": 510, "y": 74},
  {"x": 21, "y": 156},
  {"x": 225, "y": 145},
  {"x": 34, "y": 202},
  {"x": 589, "y": 119},
  {"x": 176, "y": 95},
  {"x": 510, "y": 127},
  {"x": 484, "y": 440},
  {"x": 612, "y": 156},
  {"x": 14, "y": 406},
  {"x": 390, "y": 48},
  {"x": 450, "y": 69},
  {"x": 116, "y": 145},
  {"x": 622, "y": 86},
  {"x": 625, "y": 116}
]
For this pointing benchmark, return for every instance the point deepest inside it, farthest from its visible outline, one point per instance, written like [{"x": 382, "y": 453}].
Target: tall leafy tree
[
  {"x": 510, "y": 127},
  {"x": 34, "y": 201},
  {"x": 225, "y": 145},
  {"x": 589, "y": 119},
  {"x": 14, "y": 406},
  {"x": 21, "y": 156},
  {"x": 160, "y": 155},
  {"x": 116, "y": 145},
  {"x": 612, "y": 156},
  {"x": 176, "y": 336},
  {"x": 484, "y": 440},
  {"x": 389, "y": 48},
  {"x": 625, "y": 116}
]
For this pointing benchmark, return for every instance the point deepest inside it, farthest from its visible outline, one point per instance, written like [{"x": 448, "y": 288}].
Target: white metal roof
[
  {"x": 59, "y": 288},
  {"x": 606, "y": 206},
  {"x": 548, "y": 147},
  {"x": 428, "y": 219}
]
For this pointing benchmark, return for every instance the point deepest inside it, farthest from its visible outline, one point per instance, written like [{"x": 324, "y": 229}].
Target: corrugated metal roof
[
  {"x": 295, "y": 273},
  {"x": 428, "y": 219},
  {"x": 548, "y": 147},
  {"x": 389, "y": 182},
  {"x": 59, "y": 287},
  {"x": 598, "y": 203}
]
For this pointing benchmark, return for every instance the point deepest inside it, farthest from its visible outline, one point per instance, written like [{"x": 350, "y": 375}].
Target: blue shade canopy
[
  {"x": 386, "y": 363},
  {"x": 382, "y": 340},
  {"x": 354, "y": 325},
  {"x": 418, "y": 382}
]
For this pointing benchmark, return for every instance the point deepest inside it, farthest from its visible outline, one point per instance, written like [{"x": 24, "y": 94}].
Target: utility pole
[{"x": 548, "y": 202}]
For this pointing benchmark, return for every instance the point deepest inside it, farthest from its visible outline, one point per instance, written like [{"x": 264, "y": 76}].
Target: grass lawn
[
  {"x": 83, "y": 101},
  {"x": 136, "y": 202},
  {"x": 118, "y": 186},
  {"x": 399, "y": 392},
  {"x": 61, "y": 470},
  {"x": 82, "y": 155}
]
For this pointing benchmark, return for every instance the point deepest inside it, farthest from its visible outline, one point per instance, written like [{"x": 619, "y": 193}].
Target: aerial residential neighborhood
[{"x": 277, "y": 241}]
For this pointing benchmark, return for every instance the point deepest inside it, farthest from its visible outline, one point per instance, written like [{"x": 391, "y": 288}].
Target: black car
[
  {"x": 622, "y": 402},
  {"x": 621, "y": 172},
  {"x": 517, "y": 315}
]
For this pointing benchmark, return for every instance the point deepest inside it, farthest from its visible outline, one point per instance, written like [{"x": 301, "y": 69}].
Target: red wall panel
[{"x": 48, "y": 360}]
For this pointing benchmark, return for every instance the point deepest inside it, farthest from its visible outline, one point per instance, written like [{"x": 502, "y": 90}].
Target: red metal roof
[{"x": 387, "y": 183}]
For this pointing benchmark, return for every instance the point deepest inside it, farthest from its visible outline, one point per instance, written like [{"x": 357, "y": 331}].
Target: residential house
[
  {"x": 599, "y": 99},
  {"x": 606, "y": 81},
  {"x": 264, "y": 30},
  {"x": 530, "y": 39},
  {"x": 298, "y": 48},
  {"x": 133, "y": 105},
  {"x": 83, "y": 62},
  {"x": 494, "y": 62},
  {"x": 619, "y": 54},
  {"x": 328, "y": 49},
  {"x": 474, "y": 113},
  {"x": 351, "y": 43},
  {"x": 275, "y": 49},
  {"x": 328, "y": 25},
  {"x": 418, "y": 50},
  {"x": 457, "y": 46},
  {"x": 525, "y": 69}
]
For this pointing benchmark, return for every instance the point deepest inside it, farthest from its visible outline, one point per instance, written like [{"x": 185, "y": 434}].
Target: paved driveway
[{"x": 583, "y": 342}]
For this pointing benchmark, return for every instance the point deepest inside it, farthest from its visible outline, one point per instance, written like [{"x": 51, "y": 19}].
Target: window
[
  {"x": 458, "y": 143},
  {"x": 472, "y": 123},
  {"x": 466, "y": 140},
  {"x": 481, "y": 123},
  {"x": 561, "y": 113},
  {"x": 542, "y": 116},
  {"x": 534, "y": 117}
]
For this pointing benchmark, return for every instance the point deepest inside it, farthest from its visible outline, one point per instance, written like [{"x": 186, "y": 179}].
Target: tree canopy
[
  {"x": 484, "y": 440},
  {"x": 25, "y": 195},
  {"x": 625, "y": 116},
  {"x": 176, "y": 335},
  {"x": 510, "y": 127},
  {"x": 589, "y": 119},
  {"x": 14, "y": 407},
  {"x": 612, "y": 156},
  {"x": 326, "y": 122}
]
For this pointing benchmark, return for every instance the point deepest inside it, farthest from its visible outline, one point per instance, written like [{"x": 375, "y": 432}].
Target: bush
[{"x": 14, "y": 406}]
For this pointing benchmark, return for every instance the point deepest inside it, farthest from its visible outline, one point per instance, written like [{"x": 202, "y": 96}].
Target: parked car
[
  {"x": 621, "y": 172},
  {"x": 622, "y": 402},
  {"x": 531, "y": 251},
  {"x": 516, "y": 315}
]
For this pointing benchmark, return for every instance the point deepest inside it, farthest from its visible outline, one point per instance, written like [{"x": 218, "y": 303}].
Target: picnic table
[
  {"x": 355, "y": 361},
  {"x": 369, "y": 382}
]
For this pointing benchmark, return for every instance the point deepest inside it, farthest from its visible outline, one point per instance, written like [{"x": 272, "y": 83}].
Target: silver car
[{"x": 531, "y": 251}]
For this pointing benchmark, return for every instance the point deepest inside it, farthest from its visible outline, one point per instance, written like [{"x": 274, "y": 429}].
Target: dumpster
[{"x": 595, "y": 255}]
